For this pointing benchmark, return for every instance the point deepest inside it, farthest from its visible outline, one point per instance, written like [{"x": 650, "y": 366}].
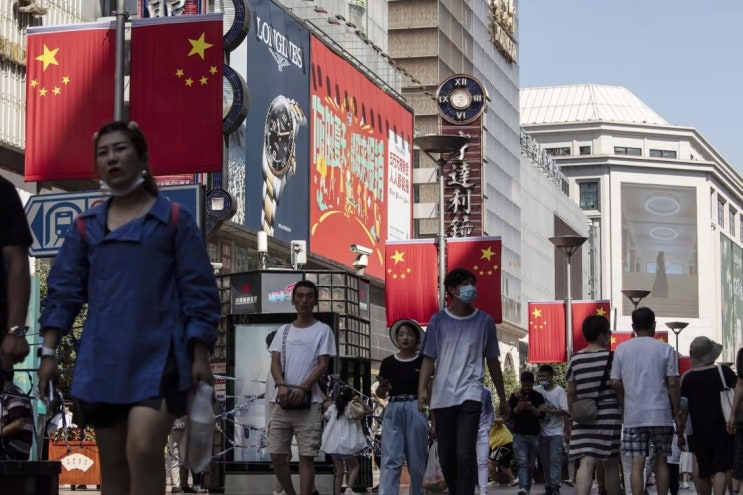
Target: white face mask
[{"x": 123, "y": 191}]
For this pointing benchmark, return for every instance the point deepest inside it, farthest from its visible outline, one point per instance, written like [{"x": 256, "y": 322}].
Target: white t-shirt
[
  {"x": 643, "y": 363},
  {"x": 552, "y": 425},
  {"x": 303, "y": 347}
]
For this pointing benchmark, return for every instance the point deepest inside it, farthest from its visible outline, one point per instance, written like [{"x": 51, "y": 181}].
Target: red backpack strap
[
  {"x": 174, "y": 209},
  {"x": 81, "y": 228}
]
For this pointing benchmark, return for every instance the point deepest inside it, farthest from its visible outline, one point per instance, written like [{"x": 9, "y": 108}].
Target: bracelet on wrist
[{"x": 46, "y": 352}]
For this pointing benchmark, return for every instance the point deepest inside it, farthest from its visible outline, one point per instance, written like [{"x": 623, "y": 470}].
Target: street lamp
[
  {"x": 676, "y": 327},
  {"x": 445, "y": 147},
  {"x": 568, "y": 244},
  {"x": 635, "y": 295}
]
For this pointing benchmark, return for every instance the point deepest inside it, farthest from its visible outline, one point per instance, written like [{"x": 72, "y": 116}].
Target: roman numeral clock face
[{"x": 461, "y": 99}]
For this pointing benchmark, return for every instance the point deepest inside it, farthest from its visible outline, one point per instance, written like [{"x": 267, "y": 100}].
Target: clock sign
[{"x": 461, "y": 99}]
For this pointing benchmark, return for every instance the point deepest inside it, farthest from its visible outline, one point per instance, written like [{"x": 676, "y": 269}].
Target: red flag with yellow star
[
  {"x": 662, "y": 336},
  {"x": 547, "y": 332},
  {"x": 581, "y": 310},
  {"x": 410, "y": 279},
  {"x": 176, "y": 91},
  {"x": 619, "y": 338},
  {"x": 69, "y": 96},
  {"x": 481, "y": 256}
]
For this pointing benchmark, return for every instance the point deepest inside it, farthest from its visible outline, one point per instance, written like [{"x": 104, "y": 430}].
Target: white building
[{"x": 664, "y": 207}]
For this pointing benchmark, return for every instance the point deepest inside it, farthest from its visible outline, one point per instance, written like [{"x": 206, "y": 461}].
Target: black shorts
[
  {"x": 713, "y": 455},
  {"x": 104, "y": 415},
  {"x": 502, "y": 455}
]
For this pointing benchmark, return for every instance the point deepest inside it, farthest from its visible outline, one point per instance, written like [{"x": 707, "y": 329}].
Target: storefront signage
[{"x": 503, "y": 28}]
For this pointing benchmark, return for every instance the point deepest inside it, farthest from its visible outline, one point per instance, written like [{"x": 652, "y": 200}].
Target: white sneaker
[{"x": 349, "y": 491}]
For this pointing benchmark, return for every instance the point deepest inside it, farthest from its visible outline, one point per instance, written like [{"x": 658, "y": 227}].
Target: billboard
[
  {"x": 731, "y": 279},
  {"x": 659, "y": 248},
  {"x": 268, "y": 155},
  {"x": 360, "y": 176}
]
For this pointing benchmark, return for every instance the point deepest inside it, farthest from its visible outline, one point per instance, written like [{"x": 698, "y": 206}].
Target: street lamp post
[
  {"x": 635, "y": 295},
  {"x": 445, "y": 147},
  {"x": 676, "y": 327},
  {"x": 568, "y": 244}
]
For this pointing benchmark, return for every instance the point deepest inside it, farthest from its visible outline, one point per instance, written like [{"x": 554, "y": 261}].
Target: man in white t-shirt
[
  {"x": 645, "y": 374},
  {"x": 300, "y": 354},
  {"x": 551, "y": 428}
]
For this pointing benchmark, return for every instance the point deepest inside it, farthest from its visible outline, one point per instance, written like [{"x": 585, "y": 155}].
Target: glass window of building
[
  {"x": 562, "y": 151},
  {"x": 731, "y": 221},
  {"x": 624, "y": 150},
  {"x": 720, "y": 211},
  {"x": 589, "y": 195},
  {"x": 584, "y": 150},
  {"x": 662, "y": 153}
]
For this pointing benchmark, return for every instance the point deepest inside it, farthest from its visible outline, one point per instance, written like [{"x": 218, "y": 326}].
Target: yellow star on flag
[
  {"x": 613, "y": 340},
  {"x": 189, "y": 82},
  {"x": 213, "y": 69},
  {"x": 42, "y": 92},
  {"x": 199, "y": 46},
  {"x": 49, "y": 57},
  {"x": 487, "y": 254},
  {"x": 56, "y": 90},
  {"x": 34, "y": 83},
  {"x": 600, "y": 311},
  {"x": 179, "y": 73},
  {"x": 66, "y": 80},
  {"x": 537, "y": 313},
  {"x": 399, "y": 256},
  {"x": 203, "y": 80}
]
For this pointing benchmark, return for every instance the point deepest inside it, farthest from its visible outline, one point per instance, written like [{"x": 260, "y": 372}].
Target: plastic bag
[
  {"x": 433, "y": 479},
  {"x": 200, "y": 436}
]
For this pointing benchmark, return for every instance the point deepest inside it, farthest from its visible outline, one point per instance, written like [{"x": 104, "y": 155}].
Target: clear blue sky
[{"x": 683, "y": 58}]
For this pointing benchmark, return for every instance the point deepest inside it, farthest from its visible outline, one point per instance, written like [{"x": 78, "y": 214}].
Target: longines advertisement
[
  {"x": 361, "y": 148},
  {"x": 268, "y": 158},
  {"x": 731, "y": 277}
]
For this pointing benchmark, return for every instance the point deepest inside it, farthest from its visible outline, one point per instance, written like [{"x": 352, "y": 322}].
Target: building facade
[{"x": 664, "y": 207}]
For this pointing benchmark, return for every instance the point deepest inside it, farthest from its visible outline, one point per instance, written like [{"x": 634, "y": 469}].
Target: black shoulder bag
[
  {"x": 307, "y": 398},
  {"x": 586, "y": 410}
]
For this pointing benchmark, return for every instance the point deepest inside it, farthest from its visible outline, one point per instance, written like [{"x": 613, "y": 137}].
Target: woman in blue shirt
[{"x": 140, "y": 264}]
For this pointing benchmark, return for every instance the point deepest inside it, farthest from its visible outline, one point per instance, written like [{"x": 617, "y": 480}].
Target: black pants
[
  {"x": 673, "y": 478},
  {"x": 456, "y": 431}
]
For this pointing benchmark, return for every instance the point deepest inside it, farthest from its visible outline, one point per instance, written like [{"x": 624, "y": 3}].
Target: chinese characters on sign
[
  {"x": 460, "y": 201},
  {"x": 463, "y": 212},
  {"x": 503, "y": 28}
]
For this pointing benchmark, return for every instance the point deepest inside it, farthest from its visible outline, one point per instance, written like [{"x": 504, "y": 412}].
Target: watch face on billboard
[
  {"x": 361, "y": 151},
  {"x": 268, "y": 153}
]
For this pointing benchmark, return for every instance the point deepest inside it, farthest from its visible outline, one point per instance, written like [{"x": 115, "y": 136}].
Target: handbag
[
  {"x": 307, "y": 398},
  {"x": 586, "y": 410},
  {"x": 726, "y": 399},
  {"x": 355, "y": 411}
]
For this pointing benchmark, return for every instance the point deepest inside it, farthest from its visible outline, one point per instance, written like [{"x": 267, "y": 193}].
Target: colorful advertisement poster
[
  {"x": 731, "y": 261},
  {"x": 268, "y": 154},
  {"x": 357, "y": 131}
]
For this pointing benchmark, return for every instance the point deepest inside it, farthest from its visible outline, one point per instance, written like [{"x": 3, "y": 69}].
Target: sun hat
[
  {"x": 411, "y": 323},
  {"x": 704, "y": 351}
]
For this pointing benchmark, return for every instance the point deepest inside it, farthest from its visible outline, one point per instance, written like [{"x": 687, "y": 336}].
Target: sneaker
[
  {"x": 188, "y": 489},
  {"x": 176, "y": 489},
  {"x": 569, "y": 482},
  {"x": 522, "y": 491},
  {"x": 685, "y": 485},
  {"x": 483, "y": 491},
  {"x": 282, "y": 492},
  {"x": 493, "y": 483},
  {"x": 513, "y": 482},
  {"x": 349, "y": 491}
]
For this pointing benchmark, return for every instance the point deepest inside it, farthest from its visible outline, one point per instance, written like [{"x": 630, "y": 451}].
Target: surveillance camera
[
  {"x": 359, "y": 249},
  {"x": 361, "y": 261}
]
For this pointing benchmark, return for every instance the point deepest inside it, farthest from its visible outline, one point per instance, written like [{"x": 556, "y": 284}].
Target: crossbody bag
[
  {"x": 586, "y": 410},
  {"x": 307, "y": 398}
]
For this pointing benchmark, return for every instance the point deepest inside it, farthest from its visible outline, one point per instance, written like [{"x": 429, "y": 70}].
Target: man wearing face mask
[
  {"x": 551, "y": 428},
  {"x": 459, "y": 338}
]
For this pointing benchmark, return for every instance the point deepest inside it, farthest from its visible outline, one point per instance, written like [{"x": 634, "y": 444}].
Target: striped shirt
[{"x": 14, "y": 405}]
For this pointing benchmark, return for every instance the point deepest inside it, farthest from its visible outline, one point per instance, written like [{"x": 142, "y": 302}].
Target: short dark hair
[
  {"x": 139, "y": 142},
  {"x": 269, "y": 338},
  {"x": 547, "y": 368},
  {"x": 593, "y": 326},
  {"x": 643, "y": 318},
  {"x": 305, "y": 283},
  {"x": 527, "y": 377},
  {"x": 458, "y": 276},
  {"x": 409, "y": 326}
]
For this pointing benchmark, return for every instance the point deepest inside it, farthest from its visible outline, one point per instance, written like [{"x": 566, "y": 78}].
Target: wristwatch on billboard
[{"x": 283, "y": 120}]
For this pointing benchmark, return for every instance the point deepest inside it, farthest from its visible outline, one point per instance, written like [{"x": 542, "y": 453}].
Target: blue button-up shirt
[{"x": 149, "y": 288}]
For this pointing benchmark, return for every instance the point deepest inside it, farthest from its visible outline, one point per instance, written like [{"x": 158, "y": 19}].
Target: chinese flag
[
  {"x": 547, "y": 332},
  {"x": 662, "y": 336},
  {"x": 684, "y": 364},
  {"x": 481, "y": 256},
  {"x": 176, "y": 91},
  {"x": 410, "y": 279},
  {"x": 69, "y": 96},
  {"x": 581, "y": 310},
  {"x": 618, "y": 338}
]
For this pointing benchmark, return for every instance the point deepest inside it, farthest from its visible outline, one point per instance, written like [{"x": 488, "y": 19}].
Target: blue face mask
[
  {"x": 544, "y": 384},
  {"x": 467, "y": 293}
]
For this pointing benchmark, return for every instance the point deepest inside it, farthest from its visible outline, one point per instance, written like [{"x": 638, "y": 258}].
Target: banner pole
[{"x": 121, "y": 16}]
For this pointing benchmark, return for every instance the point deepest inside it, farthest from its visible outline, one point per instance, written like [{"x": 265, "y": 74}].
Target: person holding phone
[{"x": 526, "y": 404}]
